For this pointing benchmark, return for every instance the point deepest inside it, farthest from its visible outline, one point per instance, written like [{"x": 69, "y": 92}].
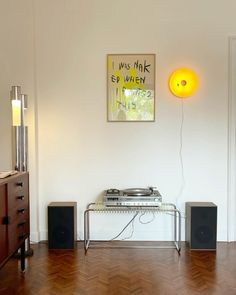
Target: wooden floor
[{"x": 122, "y": 271}]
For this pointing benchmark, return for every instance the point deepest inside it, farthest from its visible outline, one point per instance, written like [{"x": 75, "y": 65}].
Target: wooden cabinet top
[{"x": 12, "y": 177}]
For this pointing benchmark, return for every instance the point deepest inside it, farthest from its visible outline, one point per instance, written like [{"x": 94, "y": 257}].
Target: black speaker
[
  {"x": 201, "y": 225},
  {"x": 62, "y": 225}
]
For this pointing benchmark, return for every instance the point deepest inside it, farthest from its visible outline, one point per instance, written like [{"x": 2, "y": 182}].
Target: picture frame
[{"x": 131, "y": 87}]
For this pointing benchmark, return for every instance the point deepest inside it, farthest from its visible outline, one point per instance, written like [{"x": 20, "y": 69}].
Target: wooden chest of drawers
[{"x": 14, "y": 216}]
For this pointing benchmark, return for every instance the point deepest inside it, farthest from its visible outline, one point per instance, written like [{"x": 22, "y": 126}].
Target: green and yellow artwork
[{"x": 131, "y": 87}]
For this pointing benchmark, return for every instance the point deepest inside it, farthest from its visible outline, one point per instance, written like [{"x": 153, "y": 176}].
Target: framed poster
[{"x": 130, "y": 87}]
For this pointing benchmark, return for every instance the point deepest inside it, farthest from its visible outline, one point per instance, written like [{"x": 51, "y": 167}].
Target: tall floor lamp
[
  {"x": 19, "y": 105},
  {"x": 20, "y": 136}
]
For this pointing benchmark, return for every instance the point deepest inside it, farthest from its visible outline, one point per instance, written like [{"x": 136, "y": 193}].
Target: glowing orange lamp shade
[{"x": 183, "y": 82}]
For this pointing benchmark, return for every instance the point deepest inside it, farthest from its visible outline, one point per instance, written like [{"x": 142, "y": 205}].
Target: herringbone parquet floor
[{"x": 122, "y": 271}]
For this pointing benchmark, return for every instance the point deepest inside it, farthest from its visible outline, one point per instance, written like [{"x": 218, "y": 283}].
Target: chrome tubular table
[{"x": 165, "y": 207}]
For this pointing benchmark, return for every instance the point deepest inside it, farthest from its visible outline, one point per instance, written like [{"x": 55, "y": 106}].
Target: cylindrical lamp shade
[
  {"x": 16, "y": 112},
  {"x": 183, "y": 82},
  {"x": 15, "y": 92}
]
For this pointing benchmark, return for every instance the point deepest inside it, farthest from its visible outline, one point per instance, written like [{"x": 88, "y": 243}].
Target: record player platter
[{"x": 138, "y": 192}]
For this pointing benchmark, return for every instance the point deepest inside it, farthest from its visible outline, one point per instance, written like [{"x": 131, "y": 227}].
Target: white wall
[
  {"x": 75, "y": 152},
  {"x": 232, "y": 140}
]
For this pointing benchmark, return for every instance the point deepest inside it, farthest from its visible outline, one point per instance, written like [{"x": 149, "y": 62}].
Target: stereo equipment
[
  {"x": 132, "y": 197},
  {"x": 201, "y": 225},
  {"x": 62, "y": 225}
]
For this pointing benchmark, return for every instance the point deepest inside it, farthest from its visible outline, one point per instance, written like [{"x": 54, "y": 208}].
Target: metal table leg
[
  {"x": 179, "y": 239},
  {"x": 86, "y": 230},
  {"x": 178, "y": 228}
]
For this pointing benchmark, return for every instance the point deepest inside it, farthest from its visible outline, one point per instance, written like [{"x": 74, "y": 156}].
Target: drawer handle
[
  {"x": 22, "y": 211},
  {"x": 20, "y": 198},
  {"x": 22, "y": 223},
  {"x": 22, "y": 236},
  {"x": 19, "y": 184}
]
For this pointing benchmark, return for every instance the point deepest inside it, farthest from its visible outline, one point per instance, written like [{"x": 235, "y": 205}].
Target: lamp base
[{"x": 28, "y": 253}]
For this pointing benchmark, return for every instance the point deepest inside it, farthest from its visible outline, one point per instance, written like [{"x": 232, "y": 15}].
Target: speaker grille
[
  {"x": 203, "y": 234},
  {"x": 61, "y": 234},
  {"x": 201, "y": 225},
  {"x": 61, "y": 225}
]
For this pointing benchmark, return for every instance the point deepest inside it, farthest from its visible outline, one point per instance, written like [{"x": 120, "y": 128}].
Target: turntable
[{"x": 132, "y": 197}]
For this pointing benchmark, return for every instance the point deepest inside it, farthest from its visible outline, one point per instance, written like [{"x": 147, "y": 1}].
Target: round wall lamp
[{"x": 183, "y": 82}]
